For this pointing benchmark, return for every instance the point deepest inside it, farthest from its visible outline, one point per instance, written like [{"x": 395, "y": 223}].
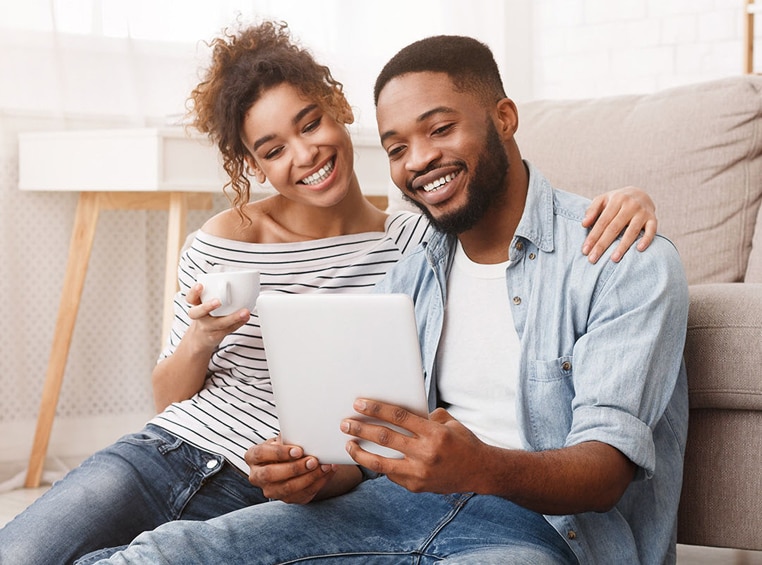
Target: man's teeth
[
  {"x": 439, "y": 182},
  {"x": 319, "y": 176}
]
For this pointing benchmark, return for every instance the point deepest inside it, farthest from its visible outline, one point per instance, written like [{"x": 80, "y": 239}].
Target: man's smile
[{"x": 434, "y": 185}]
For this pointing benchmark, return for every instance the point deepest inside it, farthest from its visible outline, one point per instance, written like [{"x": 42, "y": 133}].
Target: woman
[{"x": 276, "y": 112}]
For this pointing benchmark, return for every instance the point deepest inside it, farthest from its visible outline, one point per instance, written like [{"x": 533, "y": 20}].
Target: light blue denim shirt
[{"x": 601, "y": 360}]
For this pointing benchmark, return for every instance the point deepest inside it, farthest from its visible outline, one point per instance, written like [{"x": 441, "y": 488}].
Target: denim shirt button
[
  {"x": 571, "y": 534},
  {"x": 517, "y": 300},
  {"x": 519, "y": 246},
  {"x": 532, "y": 256},
  {"x": 566, "y": 366}
]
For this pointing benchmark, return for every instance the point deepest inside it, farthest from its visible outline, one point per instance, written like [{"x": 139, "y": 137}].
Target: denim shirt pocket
[{"x": 548, "y": 398}]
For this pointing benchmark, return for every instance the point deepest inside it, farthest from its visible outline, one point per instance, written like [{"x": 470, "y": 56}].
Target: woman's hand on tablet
[{"x": 284, "y": 473}]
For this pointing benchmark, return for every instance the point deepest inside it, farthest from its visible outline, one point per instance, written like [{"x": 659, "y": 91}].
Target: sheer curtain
[
  {"x": 82, "y": 64},
  {"x": 136, "y": 60}
]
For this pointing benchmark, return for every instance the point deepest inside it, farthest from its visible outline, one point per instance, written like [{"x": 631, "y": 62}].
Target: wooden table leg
[
  {"x": 748, "y": 37},
  {"x": 178, "y": 209},
  {"x": 83, "y": 234},
  {"x": 80, "y": 247}
]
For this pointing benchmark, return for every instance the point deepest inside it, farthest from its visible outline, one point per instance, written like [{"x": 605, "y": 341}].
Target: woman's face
[{"x": 303, "y": 151}]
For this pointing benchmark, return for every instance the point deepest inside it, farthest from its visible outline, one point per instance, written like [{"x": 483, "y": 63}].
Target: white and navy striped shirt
[{"x": 235, "y": 408}]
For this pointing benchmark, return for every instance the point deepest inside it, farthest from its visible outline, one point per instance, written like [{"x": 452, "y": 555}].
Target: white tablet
[{"x": 325, "y": 350}]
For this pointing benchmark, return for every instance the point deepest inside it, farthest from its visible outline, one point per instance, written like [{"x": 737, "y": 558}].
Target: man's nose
[{"x": 420, "y": 155}]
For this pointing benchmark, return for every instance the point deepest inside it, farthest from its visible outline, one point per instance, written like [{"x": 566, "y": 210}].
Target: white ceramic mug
[{"x": 234, "y": 289}]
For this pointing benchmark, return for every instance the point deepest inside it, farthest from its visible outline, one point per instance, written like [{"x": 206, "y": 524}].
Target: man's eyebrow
[
  {"x": 423, "y": 117},
  {"x": 437, "y": 110},
  {"x": 297, "y": 118}
]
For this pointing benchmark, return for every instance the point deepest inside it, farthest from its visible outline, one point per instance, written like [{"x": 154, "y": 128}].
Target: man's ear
[
  {"x": 507, "y": 118},
  {"x": 254, "y": 169}
]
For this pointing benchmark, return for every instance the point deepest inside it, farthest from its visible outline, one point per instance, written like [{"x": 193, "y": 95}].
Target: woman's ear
[
  {"x": 254, "y": 169},
  {"x": 507, "y": 117}
]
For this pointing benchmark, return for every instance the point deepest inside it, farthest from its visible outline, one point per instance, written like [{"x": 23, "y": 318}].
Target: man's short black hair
[{"x": 467, "y": 61}]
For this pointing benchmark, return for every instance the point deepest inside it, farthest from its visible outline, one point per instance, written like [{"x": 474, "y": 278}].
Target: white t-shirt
[{"x": 479, "y": 390}]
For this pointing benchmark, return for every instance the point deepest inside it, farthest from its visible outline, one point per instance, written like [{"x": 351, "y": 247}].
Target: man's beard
[{"x": 487, "y": 187}]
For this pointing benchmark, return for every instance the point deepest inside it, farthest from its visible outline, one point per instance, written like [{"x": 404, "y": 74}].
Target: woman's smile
[{"x": 317, "y": 178}]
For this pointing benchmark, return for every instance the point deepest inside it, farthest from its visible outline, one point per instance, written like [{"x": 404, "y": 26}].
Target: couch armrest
[{"x": 723, "y": 349}]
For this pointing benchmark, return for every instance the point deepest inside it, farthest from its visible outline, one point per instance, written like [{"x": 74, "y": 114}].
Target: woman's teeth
[
  {"x": 434, "y": 185},
  {"x": 319, "y": 176}
]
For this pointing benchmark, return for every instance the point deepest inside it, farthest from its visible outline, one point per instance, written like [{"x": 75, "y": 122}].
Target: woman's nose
[{"x": 305, "y": 153}]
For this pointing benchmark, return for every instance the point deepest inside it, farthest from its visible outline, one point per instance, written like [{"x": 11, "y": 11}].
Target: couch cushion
[
  {"x": 754, "y": 271},
  {"x": 722, "y": 347},
  {"x": 720, "y": 501},
  {"x": 696, "y": 149}
]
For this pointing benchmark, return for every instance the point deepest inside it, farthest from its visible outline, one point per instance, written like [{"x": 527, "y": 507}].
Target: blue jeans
[
  {"x": 377, "y": 523},
  {"x": 138, "y": 483}
]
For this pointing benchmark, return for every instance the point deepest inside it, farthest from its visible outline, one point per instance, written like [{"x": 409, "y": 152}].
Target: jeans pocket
[{"x": 163, "y": 441}]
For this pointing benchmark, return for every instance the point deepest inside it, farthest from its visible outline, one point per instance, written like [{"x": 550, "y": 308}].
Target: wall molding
[{"x": 72, "y": 438}]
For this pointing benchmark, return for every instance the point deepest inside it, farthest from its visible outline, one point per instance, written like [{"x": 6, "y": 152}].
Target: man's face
[{"x": 444, "y": 151}]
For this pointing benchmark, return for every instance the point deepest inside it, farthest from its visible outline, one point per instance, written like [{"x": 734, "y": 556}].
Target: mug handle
[{"x": 227, "y": 299}]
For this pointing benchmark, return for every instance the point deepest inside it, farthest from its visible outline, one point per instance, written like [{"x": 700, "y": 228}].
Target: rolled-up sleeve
[{"x": 628, "y": 360}]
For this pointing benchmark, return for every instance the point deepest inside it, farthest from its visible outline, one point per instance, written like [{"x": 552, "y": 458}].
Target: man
[{"x": 561, "y": 392}]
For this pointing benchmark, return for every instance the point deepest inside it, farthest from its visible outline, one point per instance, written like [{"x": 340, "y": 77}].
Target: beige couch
[{"x": 698, "y": 151}]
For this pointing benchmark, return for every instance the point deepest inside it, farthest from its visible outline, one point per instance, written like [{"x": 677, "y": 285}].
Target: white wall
[{"x": 585, "y": 48}]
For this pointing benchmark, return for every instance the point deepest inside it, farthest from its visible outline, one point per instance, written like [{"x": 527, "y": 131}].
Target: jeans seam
[
  {"x": 344, "y": 555},
  {"x": 461, "y": 501},
  {"x": 417, "y": 554}
]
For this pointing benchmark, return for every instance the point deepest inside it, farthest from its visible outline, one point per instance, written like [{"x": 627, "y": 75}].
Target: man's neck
[{"x": 489, "y": 240}]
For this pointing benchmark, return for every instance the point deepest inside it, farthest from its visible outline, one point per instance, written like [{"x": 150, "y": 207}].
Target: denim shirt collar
[{"x": 536, "y": 223}]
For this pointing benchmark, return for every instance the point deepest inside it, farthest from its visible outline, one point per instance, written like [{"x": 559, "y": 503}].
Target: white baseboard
[{"x": 71, "y": 438}]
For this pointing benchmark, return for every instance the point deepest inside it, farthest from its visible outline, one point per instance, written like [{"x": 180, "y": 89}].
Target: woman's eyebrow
[
  {"x": 297, "y": 118},
  {"x": 261, "y": 141},
  {"x": 303, "y": 112}
]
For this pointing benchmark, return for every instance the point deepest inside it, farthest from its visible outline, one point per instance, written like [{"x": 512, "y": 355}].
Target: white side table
[{"x": 127, "y": 169}]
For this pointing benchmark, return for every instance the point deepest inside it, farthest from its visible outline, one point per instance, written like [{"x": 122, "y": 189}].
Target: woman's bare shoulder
[{"x": 231, "y": 224}]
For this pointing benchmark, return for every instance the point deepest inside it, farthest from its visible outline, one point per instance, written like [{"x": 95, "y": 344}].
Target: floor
[{"x": 13, "y": 502}]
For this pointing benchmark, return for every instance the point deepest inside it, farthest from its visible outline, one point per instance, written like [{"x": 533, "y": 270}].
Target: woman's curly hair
[{"x": 245, "y": 64}]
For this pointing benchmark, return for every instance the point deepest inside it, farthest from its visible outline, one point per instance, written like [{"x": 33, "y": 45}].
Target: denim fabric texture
[
  {"x": 378, "y": 523},
  {"x": 138, "y": 483}
]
